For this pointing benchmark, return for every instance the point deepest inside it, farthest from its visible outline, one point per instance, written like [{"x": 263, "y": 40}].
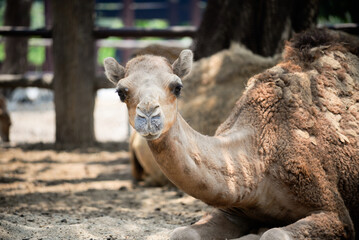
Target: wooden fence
[{"x": 44, "y": 80}]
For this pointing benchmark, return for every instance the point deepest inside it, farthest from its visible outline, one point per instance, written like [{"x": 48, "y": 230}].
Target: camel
[
  {"x": 5, "y": 121},
  {"x": 143, "y": 164},
  {"x": 286, "y": 160},
  {"x": 212, "y": 88}
]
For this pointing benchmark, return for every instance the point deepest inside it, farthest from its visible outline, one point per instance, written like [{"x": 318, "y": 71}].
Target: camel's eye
[
  {"x": 122, "y": 93},
  {"x": 176, "y": 89}
]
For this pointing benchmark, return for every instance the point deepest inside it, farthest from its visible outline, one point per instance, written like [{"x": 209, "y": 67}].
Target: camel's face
[
  {"x": 150, "y": 87},
  {"x": 151, "y": 100}
]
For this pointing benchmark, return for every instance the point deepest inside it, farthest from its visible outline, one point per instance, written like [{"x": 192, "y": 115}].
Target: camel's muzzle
[{"x": 149, "y": 122}]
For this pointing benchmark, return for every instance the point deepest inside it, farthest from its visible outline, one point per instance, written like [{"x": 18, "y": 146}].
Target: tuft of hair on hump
[
  {"x": 301, "y": 45},
  {"x": 311, "y": 38}
]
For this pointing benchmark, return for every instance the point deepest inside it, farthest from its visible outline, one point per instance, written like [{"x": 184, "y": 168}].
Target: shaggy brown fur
[{"x": 306, "y": 111}]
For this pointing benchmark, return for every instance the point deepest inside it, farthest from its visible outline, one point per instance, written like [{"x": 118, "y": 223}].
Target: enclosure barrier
[
  {"x": 44, "y": 80},
  {"x": 172, "y": 32}
]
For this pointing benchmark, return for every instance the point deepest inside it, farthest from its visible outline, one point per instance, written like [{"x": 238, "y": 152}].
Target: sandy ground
[{"x": 52, "y": 193}]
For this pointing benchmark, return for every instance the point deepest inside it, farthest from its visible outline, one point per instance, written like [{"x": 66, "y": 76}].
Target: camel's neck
[{"x": 218, "y": 170}]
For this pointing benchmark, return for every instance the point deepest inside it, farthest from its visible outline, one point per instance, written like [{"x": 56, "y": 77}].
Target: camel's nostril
[
  {"x": 154, "y": 110},
  {"x": 148, "y": 111},
  {"x": 156, "y": 117},
  {"x": 140, "y": 113}
]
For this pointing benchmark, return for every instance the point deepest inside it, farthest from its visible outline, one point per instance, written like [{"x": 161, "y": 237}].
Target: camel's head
[{"x": 150, "y": 86}]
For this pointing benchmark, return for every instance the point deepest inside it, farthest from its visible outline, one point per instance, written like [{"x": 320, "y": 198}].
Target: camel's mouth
[{"x": 152, "y": 137}]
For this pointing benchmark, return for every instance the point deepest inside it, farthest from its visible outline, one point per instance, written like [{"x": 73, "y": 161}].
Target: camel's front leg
[
  {"x": 320, "y": 225},
  {"x": 213, "y": 226}
]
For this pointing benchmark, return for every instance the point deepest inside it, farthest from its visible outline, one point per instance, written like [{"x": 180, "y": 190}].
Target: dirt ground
[{"x": 47, "y": 192}]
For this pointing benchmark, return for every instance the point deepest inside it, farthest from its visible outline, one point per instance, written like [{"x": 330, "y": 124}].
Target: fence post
[{"x": 73, "y": 53}]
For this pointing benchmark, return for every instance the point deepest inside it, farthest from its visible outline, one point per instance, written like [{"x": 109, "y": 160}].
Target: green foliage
[
  {"x": 37, "y": 15},
  {"x": 153, "y": 23},
  {"x": 2, "y": 12},
  {"x": 118, "y": 23},
  {"x": 36, "y": 55},
  {"x": 334, "y": 19},
  {"x": 2, "y": 51},
  {"x": 109, "y": 22},
  {"x": 334, "y": 11},
  {"x": 105, "y": 52}
]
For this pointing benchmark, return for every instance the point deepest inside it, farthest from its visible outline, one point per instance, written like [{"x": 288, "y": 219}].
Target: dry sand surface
[{"x": 47, "y": 192}]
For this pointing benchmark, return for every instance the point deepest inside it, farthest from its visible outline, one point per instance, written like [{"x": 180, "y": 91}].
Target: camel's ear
[
  {"x": 183, "y": 65},
  {"x": 113, "y": 70}
]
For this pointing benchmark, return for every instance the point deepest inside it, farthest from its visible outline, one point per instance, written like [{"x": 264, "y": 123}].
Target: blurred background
[
  {"x": 117, "y": 29},
  {"x": 33, "y": 57}
]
